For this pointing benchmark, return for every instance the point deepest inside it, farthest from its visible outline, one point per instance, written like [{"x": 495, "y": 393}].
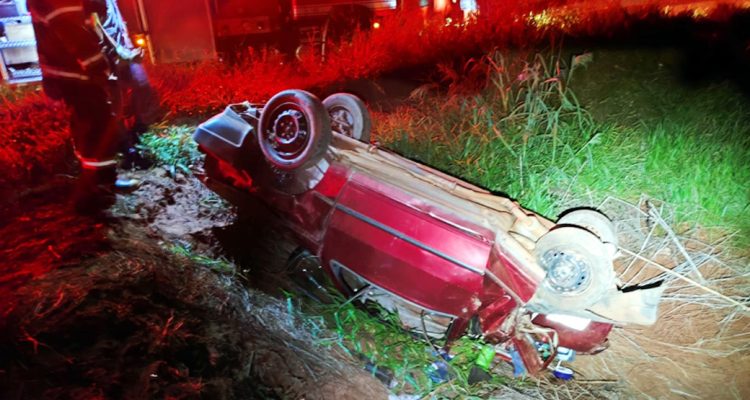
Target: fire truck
[
  {"x": 189, "y": 30},
  {"x": 19, "y": 62},
  {"x": 192, "y": 30}
]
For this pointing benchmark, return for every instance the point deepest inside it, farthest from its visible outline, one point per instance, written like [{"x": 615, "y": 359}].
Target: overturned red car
[{"x": 446, "y": 256}]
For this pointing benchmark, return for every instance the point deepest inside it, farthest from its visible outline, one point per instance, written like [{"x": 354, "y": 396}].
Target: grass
[
  {"x": 376, "y": 338},
  {"x": 521, "y": 135},
  {"x": 199, "y": 90},
  {"x": 690, "y": 142},
  {"x": 172, "y": 147},
  {"x": 35, "y": 138},
  {"x": 11, "y": 94},
  {"x": 220, "y": 265},
  {"x": 526, "y": 135},
  {"x": 699, "y": 172}
]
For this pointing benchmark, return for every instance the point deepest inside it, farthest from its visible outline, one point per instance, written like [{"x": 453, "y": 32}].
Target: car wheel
[
  {"x": 578, "y": 266},
  {"x": 294, "y": 131},
  {"x": 349, "y": 116}
]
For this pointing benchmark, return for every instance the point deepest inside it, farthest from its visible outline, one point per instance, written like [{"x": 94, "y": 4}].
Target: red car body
[{"x": 434, "y": 243}]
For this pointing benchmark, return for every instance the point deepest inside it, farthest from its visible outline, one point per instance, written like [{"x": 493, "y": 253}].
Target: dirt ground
[
  {"x": 105, "y": 308},
  {"x": 99, "y": 308},
  {"x": 699, "y": 347}
]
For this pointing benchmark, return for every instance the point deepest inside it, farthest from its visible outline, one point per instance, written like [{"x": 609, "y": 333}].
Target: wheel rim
[
  {"x": 342, "y": 121},
  {"x": 576, "y": 267},
  {"x": 567, "y": 272},
  {"x": 288, "y": 137}
]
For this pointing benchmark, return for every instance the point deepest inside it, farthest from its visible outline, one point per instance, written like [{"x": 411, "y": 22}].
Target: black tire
[
  {"x": 305, "y": 130},
  {"x": 349, "y": 116}
]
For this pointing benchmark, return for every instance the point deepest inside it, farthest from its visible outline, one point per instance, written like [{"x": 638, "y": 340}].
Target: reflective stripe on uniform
[
  {"x": 88, "y": 164},
  {"x": 51, "y": 71},
  {"x": 59, "y": 11},
  {"x": 92, "y": 163}
]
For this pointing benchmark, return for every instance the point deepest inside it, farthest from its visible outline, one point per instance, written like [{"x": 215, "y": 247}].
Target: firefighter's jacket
[
  {"x": 116, "y": 32},
  {"x": 69, "y": 44}
]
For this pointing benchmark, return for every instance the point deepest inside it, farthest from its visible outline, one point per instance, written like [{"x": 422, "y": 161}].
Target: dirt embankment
[{"x": 97, "y": 308}]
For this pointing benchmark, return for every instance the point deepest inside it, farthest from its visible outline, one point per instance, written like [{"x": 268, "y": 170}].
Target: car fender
[{"x": 230, "y": 134}]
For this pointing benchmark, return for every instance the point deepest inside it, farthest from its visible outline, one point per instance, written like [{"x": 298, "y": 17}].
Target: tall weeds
[
  {"x": 510, "y": 123},
  {"x": 520, "y": 134},
  {"x": 406, "y": 40}
]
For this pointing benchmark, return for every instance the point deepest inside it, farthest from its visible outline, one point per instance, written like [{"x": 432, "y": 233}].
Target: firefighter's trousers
[{"x": 95, "y": 126}]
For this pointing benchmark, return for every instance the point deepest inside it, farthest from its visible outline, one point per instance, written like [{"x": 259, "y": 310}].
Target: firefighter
[{"x": 73, "y": 55}]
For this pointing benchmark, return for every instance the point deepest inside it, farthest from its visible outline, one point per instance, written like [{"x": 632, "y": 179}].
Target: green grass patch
[
  {"x": 527, "y": 136},
  {"x": 220, "y": 264},
  {"x": 376, "y": 338},
  {"x": 172, "y": 147}
]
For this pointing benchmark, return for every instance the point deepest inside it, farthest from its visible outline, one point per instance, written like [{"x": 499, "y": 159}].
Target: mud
[{"x": 97, "y": 307}]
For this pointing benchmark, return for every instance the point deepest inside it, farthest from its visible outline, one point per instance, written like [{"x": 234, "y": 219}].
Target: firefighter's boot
[
  {"x": 90, "y": 195},
  {"x": 126, "y": 185},
  {"x": 96, "y": 189}
]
